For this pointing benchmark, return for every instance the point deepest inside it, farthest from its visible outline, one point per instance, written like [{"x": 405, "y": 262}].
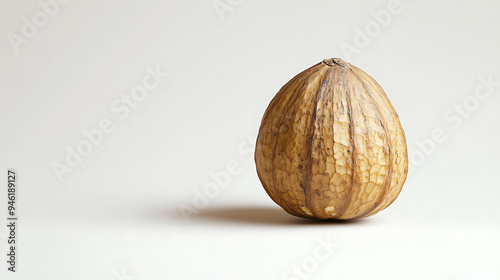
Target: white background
[{"x": 116, "y": 214}]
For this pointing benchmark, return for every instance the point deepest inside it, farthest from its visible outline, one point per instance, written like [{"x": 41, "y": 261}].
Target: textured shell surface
[{"x": 330, "y": 145}]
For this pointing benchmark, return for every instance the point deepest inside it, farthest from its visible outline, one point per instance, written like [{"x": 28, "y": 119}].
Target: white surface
[{"x": 116, "y": 215}]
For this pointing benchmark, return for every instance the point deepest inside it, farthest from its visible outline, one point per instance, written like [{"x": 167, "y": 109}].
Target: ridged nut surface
[{"x": 331, "y": 146}]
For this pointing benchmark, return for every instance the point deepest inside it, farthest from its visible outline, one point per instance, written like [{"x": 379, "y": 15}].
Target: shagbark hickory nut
[{"x": 331, "y": 146}]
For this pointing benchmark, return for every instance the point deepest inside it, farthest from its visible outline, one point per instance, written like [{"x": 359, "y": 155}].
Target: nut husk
[{"x": 331, "y": 145}]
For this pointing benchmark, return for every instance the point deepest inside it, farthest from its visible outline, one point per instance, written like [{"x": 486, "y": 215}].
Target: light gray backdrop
[{"x": 132, "y": 124}]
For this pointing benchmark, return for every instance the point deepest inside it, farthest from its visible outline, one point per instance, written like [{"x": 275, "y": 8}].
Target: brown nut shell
[{"x": 331, "y": 146}]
